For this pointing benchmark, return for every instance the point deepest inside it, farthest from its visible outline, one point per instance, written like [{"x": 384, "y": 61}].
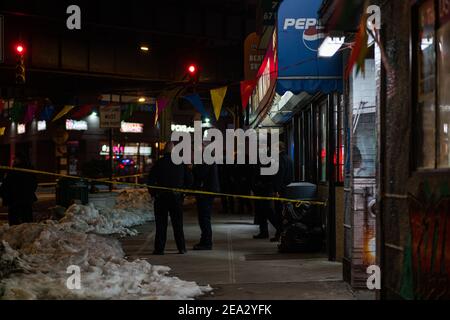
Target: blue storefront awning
[{"x": 299, "y": 37}]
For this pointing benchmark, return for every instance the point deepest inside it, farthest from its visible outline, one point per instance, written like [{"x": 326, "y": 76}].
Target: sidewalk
[{"x": 242, "y": 268}]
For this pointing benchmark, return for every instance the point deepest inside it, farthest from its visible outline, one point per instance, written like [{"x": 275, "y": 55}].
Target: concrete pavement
[{"x": 240, "y": 267}]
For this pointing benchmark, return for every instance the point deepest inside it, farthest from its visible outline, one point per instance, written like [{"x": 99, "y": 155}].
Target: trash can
[
  {"x": 302, "y": 226},
  {"x": 70, "y": 191}
]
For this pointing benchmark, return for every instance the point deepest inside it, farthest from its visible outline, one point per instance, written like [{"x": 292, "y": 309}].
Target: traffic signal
[
  {"x": 20, "y": 64},
  {"x": 192, "y": 72}
]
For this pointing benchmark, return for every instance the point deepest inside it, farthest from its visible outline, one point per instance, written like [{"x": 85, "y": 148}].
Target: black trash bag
[{"x": 302, "y": 230}]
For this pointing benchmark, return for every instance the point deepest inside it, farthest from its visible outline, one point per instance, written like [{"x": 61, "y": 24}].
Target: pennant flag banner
[
  {"x": 360, "y": 48},
  {"x": 247, "y": 88},
  {"x": 128, "y": 113},
  {"x": 17, "y": 112},
  {"x": 2, "y": 105},
  {"x": 217, "y": 97},
  {"x": 63, "y": 112},
  {"x": 82, "y": 111},
  {"x": 161, "y": 104},
  {"x": 156, "y": 115},
  {"x": 195, "y": 100},
  {"x": 31, "y": 112},
  {"x": 2, "y": 131},
  {"x": 47, "y": 113}
]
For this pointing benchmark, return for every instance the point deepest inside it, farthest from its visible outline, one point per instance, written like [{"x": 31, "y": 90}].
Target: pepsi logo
[{"x": 311, "y": 37}]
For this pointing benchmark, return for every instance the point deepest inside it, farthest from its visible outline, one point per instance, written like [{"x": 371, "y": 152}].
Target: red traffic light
[
  {"x": 20, "y": 49},
  {"x": 192, "y": 69}
]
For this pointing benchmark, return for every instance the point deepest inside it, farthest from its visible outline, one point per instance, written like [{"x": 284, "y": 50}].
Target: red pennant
[
  {"x": 2, "y": 105},
  {"x": 32, "y": 108},
  {"x": 247, "y": 88},
  {"x": 162, "y": 103},
  {"x": 82, "y": 111}
]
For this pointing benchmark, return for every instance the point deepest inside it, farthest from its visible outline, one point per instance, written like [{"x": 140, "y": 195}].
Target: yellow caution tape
[{"x": 187, "y": 191}]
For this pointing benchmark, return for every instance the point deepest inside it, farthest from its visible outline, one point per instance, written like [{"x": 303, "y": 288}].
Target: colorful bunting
[
  {"x": 247, "y": 88},
  {"x": 82, "y": 112},
  {"x": 217, "y": 97},
  {"x": 17, "y": 112},
  {"x": 360, "y": 48},
  {"x": 161, "y": 104},
  {"x": 63, "y": 112},
  {"x": 196, "y": 101},
  {"x": 30, "y": 113}
]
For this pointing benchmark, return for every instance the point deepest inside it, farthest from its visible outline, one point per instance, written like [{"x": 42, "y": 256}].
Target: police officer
[
  {"x": 166, "y": 174},
  {"x": 18, "y": 191},
  {"x": 206, "y": 178}
]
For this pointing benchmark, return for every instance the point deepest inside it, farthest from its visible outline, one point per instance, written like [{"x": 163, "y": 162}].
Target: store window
[
  {"x": 323, "y": 141},
  {"x": 339, "y": 156},
  {"x": 129, "y": 158},
  {"x": 432, "y": 64}
]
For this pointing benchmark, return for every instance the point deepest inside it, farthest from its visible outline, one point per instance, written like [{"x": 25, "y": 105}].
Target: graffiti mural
[{"x": 427, "y": 258}]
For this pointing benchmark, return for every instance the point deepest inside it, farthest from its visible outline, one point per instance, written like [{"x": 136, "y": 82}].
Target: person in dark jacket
[
  {"x": 283, "y": 178},
  {"x": 18, "y": 191},
  {"x": 264, "y": 186},
  {"x": 206, "y": 178},
  {"x": 166, "y": 174},
  {"x": 227, "y": 185}
]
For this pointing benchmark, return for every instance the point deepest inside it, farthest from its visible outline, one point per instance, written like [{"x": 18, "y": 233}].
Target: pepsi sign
[{"x": 300, "y": 35}]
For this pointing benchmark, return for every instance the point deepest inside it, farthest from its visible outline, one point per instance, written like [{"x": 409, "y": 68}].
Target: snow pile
[
  {"x": 136, "y": 200},
  {"x": 133, "y": 207},
  {"x": 38, "y": 256}
]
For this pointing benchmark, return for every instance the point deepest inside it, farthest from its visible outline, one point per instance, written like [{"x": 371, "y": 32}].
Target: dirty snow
[
  {"x": 34, "y": 259},
  {"x": 133, "y": 208}
]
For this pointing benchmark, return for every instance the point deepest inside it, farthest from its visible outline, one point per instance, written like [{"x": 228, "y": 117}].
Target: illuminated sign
[
  {"x": 41, "y": 126},
  {"x": 21, "y": 129},
  {"x": 75, "y": 125},
  {"x": 129, "y": 127},
  {"x": 181, "y": 128},
  {"x": 127, "y": 150}
]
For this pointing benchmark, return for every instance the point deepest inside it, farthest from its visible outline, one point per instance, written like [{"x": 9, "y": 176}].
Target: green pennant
[
  {"x": 128, "y": 112},
  {"x": 17, "y": 112}
]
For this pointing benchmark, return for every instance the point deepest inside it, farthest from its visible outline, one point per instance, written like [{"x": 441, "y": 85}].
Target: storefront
[
  {"x": 68, "y": 146},
  {"x": 301, "y": 94}
]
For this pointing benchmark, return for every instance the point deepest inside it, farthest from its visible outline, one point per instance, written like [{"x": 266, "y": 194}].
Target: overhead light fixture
[
  {"x": 330, "y": 46},
  {"x": 142, "y": 100},
  {"x": 144, "y": 48}
]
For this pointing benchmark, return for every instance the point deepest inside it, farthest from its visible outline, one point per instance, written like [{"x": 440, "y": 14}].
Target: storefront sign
[
  {"x": 181, "y": 128},
  {"x": 253, "y": 57},
  {"x": 266, "y": 76},
  {"x": 110, "y": 117},
  {"x": 300, "y": 35},
  {"x": 41, "y": 126},
  {"x": 21, "y": 129},
  {"x": 74, "y": 125},
  {"x": 120, "y": 150},
  {"x": 129, "y": 127}
]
